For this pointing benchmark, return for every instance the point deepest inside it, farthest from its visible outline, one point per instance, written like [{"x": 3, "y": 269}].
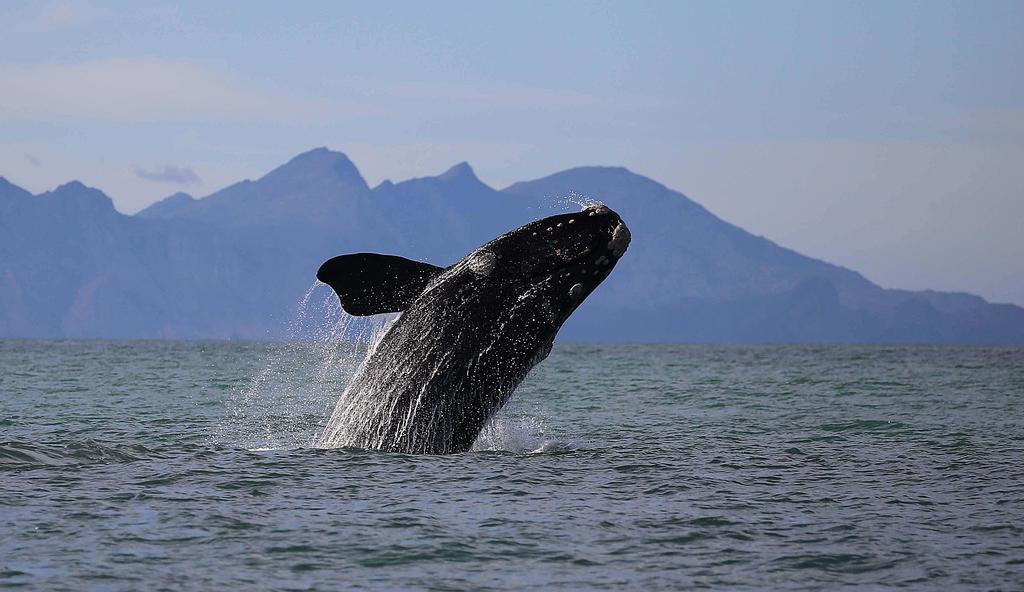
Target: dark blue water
[{"x": 182, "y": 466}]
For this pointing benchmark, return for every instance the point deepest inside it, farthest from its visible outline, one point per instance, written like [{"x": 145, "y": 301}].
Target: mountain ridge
[{"x": 234, "y": 263}]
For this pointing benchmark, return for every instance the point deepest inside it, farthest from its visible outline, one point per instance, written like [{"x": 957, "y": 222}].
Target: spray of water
[
  {"x": 513, "y": 431},
  {"x": 572, "y": 201},
  {"x": 368, "y": 411},
  {"x": 287, "y": 400}
]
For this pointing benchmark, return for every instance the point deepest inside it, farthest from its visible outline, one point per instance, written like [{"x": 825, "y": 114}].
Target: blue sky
[{"x": 884, "y": 136}]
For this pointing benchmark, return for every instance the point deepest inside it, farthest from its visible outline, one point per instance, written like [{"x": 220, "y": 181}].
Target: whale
[{"x": 466, "y": 335}]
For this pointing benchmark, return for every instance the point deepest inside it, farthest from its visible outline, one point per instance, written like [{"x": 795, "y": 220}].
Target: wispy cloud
[
  {"x": 169, "y": 174},
  {"x": 154, "y": 89},
  {"x": 43, "y": 17},
  {"x": 56, "y": 16},
  {"x": 33, "y": 160}
]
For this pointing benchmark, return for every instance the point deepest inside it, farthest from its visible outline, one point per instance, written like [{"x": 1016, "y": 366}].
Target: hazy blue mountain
[
  {"x": 72, "y": 266},
  {"x": 10, "y": 193},
  {"x": 694, "y": 277},
  {"x": 442, "y": 218},
  {"x": 319, "y": 188},
  {"x": 234, "y": 264},
  {"x": 167, "y": 207}
]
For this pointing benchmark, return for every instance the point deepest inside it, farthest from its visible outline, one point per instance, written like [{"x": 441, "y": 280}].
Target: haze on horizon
[{"x": 887, "y": 138}]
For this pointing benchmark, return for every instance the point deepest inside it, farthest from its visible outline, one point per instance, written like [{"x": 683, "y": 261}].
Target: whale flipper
[{"x": 369, "y": 284}]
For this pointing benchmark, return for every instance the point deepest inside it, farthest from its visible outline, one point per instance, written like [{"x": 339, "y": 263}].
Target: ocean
[{"x": 150, "y": 465}]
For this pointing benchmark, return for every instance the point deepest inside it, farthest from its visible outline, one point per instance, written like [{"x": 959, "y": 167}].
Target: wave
[{"x": 19, "y": 454}]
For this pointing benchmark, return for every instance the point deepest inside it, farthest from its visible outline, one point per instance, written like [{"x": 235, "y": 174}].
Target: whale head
[
  {"x": 556, "y": 261},
  {"x": 537, "y": 274}
]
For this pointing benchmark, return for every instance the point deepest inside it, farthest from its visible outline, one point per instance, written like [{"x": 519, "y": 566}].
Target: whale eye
[
  {"x": 482, "y": 262},
  {"x": 576, "y": 291}
]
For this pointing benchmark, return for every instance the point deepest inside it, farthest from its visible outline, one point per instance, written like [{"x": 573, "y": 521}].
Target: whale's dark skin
[{"x": 468, "y": 334}]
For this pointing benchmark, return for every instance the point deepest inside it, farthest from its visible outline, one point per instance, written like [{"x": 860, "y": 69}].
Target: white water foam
[
  {"x": 521, "y": 427},
  {"x": 513, "y": 433}
]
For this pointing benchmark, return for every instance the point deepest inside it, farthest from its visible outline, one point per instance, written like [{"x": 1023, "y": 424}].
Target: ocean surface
[{"x": 187, "y": 466}]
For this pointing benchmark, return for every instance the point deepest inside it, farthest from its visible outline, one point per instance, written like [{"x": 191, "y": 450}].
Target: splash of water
[
  {"x": 514, "y": 433},
  {"x": 572, "y": 202},
  {"x": 286, "y": 402}
]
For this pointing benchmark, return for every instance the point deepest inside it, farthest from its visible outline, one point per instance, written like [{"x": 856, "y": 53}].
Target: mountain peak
[
  {"x": 319, "y": 152},
  {"x": 459, "y": 172},
  {"x": 78, "y": 195},
  {"x": 167, "y": 206},
  {"x": 607, "y": 172},
  {"x": 73, "y": 185},
  {"x": 76, "y": 188},
  {"x": 320, "y": 164},
  {"x": 603, "y": 182},
  {"x": 8, "y": 188},
  {"x": 322, "y": 157}
]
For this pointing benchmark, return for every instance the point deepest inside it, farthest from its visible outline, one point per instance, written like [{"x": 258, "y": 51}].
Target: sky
[{"x": 887, "y": 137}]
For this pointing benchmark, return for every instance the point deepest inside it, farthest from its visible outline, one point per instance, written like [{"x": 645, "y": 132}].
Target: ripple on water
[{"x": 614, "y": 467}]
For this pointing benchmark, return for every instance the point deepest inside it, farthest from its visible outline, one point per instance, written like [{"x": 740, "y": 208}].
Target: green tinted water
[{"x": 158, "y": 465}]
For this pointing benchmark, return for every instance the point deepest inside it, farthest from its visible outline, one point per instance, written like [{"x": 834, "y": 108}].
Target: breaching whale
[{"x": 467, "y": 334}]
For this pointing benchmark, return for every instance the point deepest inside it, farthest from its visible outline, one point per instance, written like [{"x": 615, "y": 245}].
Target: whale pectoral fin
[{"x": 369, "y": 284}]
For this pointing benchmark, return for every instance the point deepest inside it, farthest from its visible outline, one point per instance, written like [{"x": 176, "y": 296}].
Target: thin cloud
[
  {"x": 153, "y": 89},
  {"x": 169, "y": 174},
  {"x": 33, "y": 160},
  {"x": 56, "y": 16},
  {"x": 46, "y": 17}
]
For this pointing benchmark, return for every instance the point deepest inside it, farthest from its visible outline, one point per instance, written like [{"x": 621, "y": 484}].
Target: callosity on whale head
[
  {"x": 468, "y": 334},
  {"x": 555, "y": 262}
]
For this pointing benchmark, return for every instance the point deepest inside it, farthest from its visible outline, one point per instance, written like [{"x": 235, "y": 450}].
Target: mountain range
[{"x": 235, "y": 264}]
